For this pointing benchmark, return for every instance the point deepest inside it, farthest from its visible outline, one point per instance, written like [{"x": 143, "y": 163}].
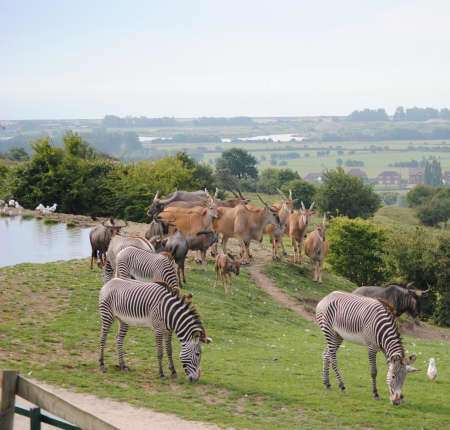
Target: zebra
[
  {"x": 118, "y": 243},
  {"x": 368, "y": 322},
  {"x": 142, "y": 265},
  {"x": 157, "y": 306}
]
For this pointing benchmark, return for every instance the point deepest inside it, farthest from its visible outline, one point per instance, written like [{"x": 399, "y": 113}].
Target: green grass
[
  {"x": 296, "y": 280},
  {"x": 50, "y": 221},
  {"x": 263, "y": 369}
]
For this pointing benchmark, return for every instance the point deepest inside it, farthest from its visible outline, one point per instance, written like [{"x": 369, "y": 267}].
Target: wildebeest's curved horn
[{"x": 156, "y": 196}]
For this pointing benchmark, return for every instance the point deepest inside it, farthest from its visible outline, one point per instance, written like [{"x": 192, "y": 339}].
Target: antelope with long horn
[
  {"x": 316, "y": 248},
  {"x": 297, "y": 225}
]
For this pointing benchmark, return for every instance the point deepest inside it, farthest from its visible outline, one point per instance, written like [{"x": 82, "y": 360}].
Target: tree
[
  {"x": 343, "y": 194},
  {"x": 419, "y": 194},
  {"x": 433, "y": 173},
  {"x": 17, "y": 154},
  {"x": 239, "y": 163},
  {"x": 436, "y": 209},
  {"x": 357, "y": 250},
  {"x": 301, "y": 191},
  {"x": 399, "y": 114},
  {"x": 271, "y": 179}
]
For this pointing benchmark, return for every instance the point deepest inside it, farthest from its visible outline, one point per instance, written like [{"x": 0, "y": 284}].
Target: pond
[{"x": 32, "y": 241}]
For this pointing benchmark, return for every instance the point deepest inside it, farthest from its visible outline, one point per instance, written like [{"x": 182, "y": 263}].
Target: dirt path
[
  {"x": 120, "y": 415},
  {"x": 266, "y": 284}
]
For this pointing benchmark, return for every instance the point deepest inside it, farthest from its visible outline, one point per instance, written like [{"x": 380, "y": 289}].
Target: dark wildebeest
[
  {"x": 158, "y": 205},
  {"x": 201, "y": 242},
  {"x": 100, "y": 237},
  {"x": 403, "y": 299},
  {"x": 177, "y": 246}
]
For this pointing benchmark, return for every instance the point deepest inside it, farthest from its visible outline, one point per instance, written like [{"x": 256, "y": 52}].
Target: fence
[{"x": 12, "y": 384}]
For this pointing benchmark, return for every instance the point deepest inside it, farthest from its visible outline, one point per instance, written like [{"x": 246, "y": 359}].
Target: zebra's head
[
  {"x": 191, "y": 353},
  {"x": 398, "y": 367}
]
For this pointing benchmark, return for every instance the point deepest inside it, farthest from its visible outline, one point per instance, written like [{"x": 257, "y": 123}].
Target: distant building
[
  {"x": 389, "y": 177},
  {"x": 358, "y": 173},
  {"x": 313, "y": 177},
  {"x": 415, "y": 176}
]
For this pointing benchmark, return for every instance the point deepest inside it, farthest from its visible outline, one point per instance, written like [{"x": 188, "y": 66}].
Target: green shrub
[
  {"x": 343, "y": 194},
  {"x": 301, "y": 191},
  {"x": 419, "y": 195},
  {"x": 357, "y": 250}
]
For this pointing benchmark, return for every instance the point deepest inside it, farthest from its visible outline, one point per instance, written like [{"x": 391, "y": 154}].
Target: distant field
[{"x": 374, "y": 161}]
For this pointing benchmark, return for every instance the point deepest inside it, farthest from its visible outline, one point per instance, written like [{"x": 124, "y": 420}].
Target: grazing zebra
[
  {"x": 368, "y": 322},
  {"x": 156, "y": 306},
  {"x": 146, "y": 266},
  {"x": 116, "y": 245}
]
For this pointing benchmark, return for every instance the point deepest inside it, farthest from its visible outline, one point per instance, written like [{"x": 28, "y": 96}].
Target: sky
[{"x": 85, "y": 59}]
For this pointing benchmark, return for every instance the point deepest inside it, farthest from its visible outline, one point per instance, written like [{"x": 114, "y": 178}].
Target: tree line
[{"x": 401, "y": 114}]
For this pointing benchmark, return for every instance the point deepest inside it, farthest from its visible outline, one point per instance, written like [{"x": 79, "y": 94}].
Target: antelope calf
[
  {"x": 225, "y": 266},
  {"x": 316, "y": 248}
]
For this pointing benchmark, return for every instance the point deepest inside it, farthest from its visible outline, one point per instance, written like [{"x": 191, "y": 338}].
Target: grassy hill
[{"x": 263, "y": 369}]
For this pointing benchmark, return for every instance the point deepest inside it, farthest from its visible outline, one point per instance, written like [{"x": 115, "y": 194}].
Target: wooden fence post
[{"x": 8, "y": 379}]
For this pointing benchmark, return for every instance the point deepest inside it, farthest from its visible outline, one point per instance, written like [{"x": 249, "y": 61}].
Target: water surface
[{"x": 32, "y": 241}]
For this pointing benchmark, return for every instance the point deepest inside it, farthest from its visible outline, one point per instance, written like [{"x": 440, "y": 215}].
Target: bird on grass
[{"x": 432, "y": 370}]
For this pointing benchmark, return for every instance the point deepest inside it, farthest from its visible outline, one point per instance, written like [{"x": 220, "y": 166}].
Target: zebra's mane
[
  {"x": 391, "y": 311},
  {"x": 186, "y": 300}
]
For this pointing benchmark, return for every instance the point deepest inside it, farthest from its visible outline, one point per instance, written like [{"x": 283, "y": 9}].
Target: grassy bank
[{"x": 263, "y": 369}]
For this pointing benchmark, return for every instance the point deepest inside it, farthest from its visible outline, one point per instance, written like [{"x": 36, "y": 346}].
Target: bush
[
  {"x": 389, "y": 198},
  {"x": 433, "y": 212},
  {"x": 343, "y": 194},
  {"x": 419, "y": 195},
  {"x": 357, "y": 250},
  {"x": 301, "y": 191},
  {"x": 271, "y": 179}
]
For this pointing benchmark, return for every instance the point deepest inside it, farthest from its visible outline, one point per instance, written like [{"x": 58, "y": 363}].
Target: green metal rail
[{"x": 37, "y": 417}]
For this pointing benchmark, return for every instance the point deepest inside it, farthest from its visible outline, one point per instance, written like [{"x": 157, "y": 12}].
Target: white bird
[
  {"x": 432, "y": 370},
  {"x": 40, "y": 207},
  {"x": 11, "y": 203},
  {"x": 52, "y": 208}
]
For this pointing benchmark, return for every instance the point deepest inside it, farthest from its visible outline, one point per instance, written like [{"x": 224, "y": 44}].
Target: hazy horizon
[{"x": 86, "y": 59}]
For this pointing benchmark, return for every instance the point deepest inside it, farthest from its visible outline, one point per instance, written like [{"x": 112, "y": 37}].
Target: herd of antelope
[{"x": 194, "y": 213}]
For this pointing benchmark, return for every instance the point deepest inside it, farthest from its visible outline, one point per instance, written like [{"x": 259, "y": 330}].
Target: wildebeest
[
  {"x": 201, "y": 242},
  {"x": 158, "y": 204},
  {"x": 176, "y": 245},
  {"x": 403, "y": 299},
  {"x": 226, "y": 264},
  {"x": 100, "y": 236},
  {"x": 245, "y": 223},
  {"x": 297, "y": 224},
  {"x": 316, "y": 248},
  {"x": 156, "y": 228}
]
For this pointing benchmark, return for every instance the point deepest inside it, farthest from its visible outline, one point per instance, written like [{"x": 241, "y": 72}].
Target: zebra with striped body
[
  {"x": 116, "y": 245},
  {"x": 156, "y": 306},
  {"x": 146, "y": 266},
  {"x": 344, "y": 316}
]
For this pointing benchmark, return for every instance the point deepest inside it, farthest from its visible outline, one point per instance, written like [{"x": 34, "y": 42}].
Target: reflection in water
[{"x": 32, "y": 241}]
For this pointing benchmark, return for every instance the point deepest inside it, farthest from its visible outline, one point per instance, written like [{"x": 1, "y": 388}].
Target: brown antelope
[
  {"x": 297, "y": 225},
  {"x": 316, "y": 248},
  {"x": 276, "y": 233},
  {"x": 226, "y": 264},
  {"x": 190, "y": 221},
  {"x": 245, "y": 223}
]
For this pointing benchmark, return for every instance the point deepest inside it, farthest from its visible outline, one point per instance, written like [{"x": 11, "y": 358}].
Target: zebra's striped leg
[
  {"x": 326, "y": 368},
  {"x": 168, "y": 339},
  {"x": 159, "y": 351},
  {"x": 108, "y": 272},
  {"x": 107, "y": 320},
  {"x": 332, "y": 348},
  {"x": 373, "y": 372},
  {"x": 123, "y": 328}
]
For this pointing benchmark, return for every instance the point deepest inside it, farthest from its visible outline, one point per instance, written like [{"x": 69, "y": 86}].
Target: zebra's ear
[
  {"x": 208, "y": 340},
  {"x": 410, "y": 360}
]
